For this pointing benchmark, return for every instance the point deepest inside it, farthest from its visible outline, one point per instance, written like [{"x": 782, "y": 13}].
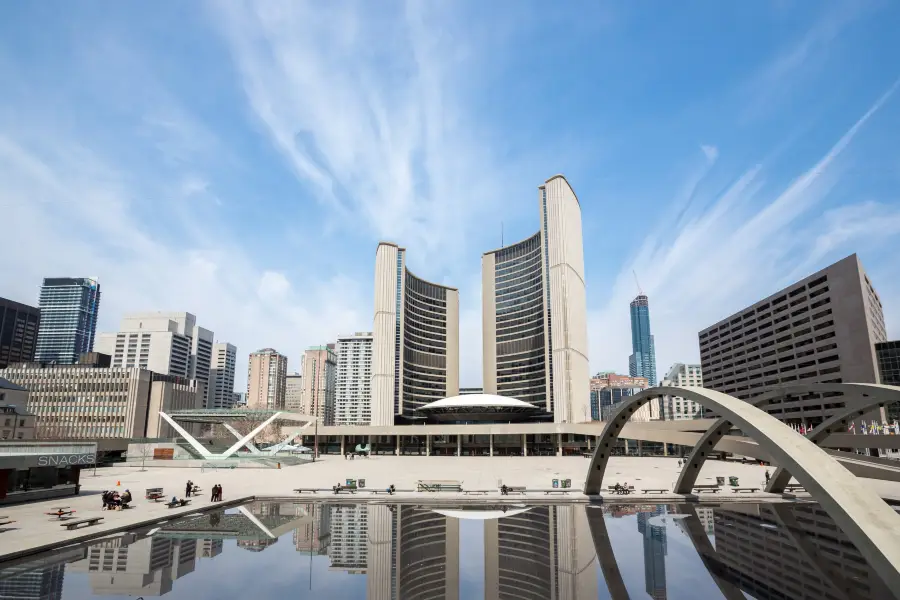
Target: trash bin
[
  {"x": 555, "y": 483},
  {"x": 350, "y": 482},
  {"x": 361, "y": 483},
  {"x": 720, "y": 481},
  {"x": 567, "y": 483},
  {"x": 733, "y": 481}
]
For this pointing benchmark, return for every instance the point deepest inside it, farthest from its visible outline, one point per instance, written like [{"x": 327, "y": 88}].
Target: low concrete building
[
  {"x": 33, "y": 470},
  {"x": 15, "y": 423},
  {"x": 676, "y": 407}
]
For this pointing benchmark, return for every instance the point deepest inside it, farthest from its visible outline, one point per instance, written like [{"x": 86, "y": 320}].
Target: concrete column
[
  {"x": 589, "y": 443},
  {"x": 524, "y": 445},
  {"x": 459, "y": 445},
  {"x": 342, "y": 445},
  {"x": 640, "y": 447},
  {"x": 665, "y": 449},
  {"x": 559, "y": 444},
  {"x": 491, "y": 440},
  {"x": 427, "y": 445},
  {"x": 397, "y": 451}
]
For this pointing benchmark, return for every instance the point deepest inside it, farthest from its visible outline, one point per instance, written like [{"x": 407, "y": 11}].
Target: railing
[{"x": 32, "y": 448}]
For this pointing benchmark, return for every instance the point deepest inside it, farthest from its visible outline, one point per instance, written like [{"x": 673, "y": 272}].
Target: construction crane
[{"x": 637, "y": 283}]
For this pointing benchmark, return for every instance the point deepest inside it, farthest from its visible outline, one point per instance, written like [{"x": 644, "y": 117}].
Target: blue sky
[{"x": 241, "y": 160}]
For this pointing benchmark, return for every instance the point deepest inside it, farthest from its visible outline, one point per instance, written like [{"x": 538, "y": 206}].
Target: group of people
[
  {"x": 190, "y": 488},
  {"x": 114, "y": 501},
  {"x": 622, "y": 489},
  {"x": 216, "y": 493}
]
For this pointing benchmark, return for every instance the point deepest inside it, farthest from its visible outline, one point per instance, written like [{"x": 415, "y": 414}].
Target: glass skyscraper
[
  {"x": 68, "y": 319},
  {"x": 642, "y": 362}
]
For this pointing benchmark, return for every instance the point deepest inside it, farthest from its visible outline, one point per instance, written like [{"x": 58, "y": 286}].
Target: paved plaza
[{"x": 34, "y": 530}]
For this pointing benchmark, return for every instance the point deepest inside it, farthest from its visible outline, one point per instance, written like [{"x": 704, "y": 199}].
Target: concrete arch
[
  {"x": 862, "y": 395},
  {"x": 863, "y": 516}
]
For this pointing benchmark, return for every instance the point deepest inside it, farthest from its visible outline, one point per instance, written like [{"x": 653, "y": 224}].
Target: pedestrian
[
  {"x": 212, "y": 496},
  {"x": 218, "y": 492},
  {"x": 767, "y": 477},
  {"x": 187, "y": 488}
]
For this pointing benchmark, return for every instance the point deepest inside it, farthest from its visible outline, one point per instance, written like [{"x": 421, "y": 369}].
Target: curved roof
[{"x": 477, "y": 400}]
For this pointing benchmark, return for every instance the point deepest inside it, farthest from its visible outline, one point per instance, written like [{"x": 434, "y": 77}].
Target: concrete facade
[
  {"x": 266, "y": 379},
  {"x": 353, "y": 398},
  {"x": 293, "y": 393},
  {"x": 534, "y": 315},
  {"x": 415, "y": 348},
  {"x": 319, "y": 374},
  {"x": 822, "y": 329}
]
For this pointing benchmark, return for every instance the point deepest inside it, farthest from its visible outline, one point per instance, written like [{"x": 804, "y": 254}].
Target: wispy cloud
[
  {"x": 744, "y": 246},
  {"x": 367, "y": 109}
]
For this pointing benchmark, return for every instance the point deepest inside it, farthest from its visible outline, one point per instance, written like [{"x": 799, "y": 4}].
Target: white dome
[
  {"x": 477, "y": 400},
  {"x": 480, "y": 515}
]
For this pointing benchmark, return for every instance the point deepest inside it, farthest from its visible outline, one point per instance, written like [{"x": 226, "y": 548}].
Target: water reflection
[{"x": 417, "y": 552}]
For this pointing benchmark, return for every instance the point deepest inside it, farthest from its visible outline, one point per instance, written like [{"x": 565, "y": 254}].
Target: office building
[
  {"x": 353, "y": 399},
  {"x": 319, "y": 382},
  {"x": 266, "y": 380},
  {"x": 642, "y": 362},
  {"x": 348, "y": 548},
  {"x": 655, "y": 551},
  {"x": 415, "y": 347},
  {"x": 293, "y": 393},
  {"x": 534, "y": 312},
  {"x": 888, "y": 356},
  {"x": 608, "y": 390},
  {"x": 822, "y": 329},
  {"x": 239, "y": 399},
  {"x": 168, "y": 343},
  {"x": 221, "y": 376},
  {"x": 40, "y": 583},
  {"x": 69, "y": 308},
  {"x": 19, "y": 325},
  {"x": 676, "y": 407},
  {"x": 84, "y": 401}
]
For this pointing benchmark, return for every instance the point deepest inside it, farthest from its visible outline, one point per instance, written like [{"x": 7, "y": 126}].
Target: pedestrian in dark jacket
[
  {"x": 215, "y": 490},
  {"x": 187, "y": 488}
]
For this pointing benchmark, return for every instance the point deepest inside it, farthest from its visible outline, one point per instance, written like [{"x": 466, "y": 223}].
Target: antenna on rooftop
[
  {"x": 638, "y": 283},
  {"x": 501, "y": 234}
]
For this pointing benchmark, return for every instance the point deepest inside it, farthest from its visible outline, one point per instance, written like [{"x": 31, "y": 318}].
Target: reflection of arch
[
  {"x": 608, "y": 565},
  {"x": 861, "y": 396},
  {"x": 863, "y": 516},
  {"x": 695, "y": 532}
]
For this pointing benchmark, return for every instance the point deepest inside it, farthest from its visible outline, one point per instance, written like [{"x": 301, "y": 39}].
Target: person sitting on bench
[{"x": 125, "y": 499}]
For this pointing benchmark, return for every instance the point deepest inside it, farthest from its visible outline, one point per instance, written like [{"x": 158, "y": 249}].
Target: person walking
[
  {"x": 767, "y": 477},
  {"x": 213, "y": 492},
  {"x": 187, "y": 488},
  {"x": 219, "y": 492}
]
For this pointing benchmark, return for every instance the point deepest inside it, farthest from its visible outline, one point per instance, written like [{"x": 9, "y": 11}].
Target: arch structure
[
  {"x": 859, "y": 397},
  {"x": 862, "y": 515}
]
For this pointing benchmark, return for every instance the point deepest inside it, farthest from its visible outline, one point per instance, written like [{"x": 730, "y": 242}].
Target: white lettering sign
[{"x": 65, "y": 460}]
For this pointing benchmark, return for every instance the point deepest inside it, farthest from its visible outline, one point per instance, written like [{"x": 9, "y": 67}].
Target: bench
[
  {"x": 178, "y": 504},
  {"x": 712, "y": 490},
  {"x": 558, "y": 491},
  {"x": 476, "y": 492},
  {"x": 344, "y": 488},
  {"x": 506, "y": 490},
  {"x": 70, "y": 525},
  {"x": 389, "y": 492},
  {"x": 438, "y": 486},
  {"x": 655, "y": 491},
  {"x": 741, "y": 489},
  {"x": 621, "y": 490},
  {"x": 794, "y": 488},
  {"x": 310, "y": 490},
  {"x": 5, "y": 522},
  {"x": 59, "y": 514}
]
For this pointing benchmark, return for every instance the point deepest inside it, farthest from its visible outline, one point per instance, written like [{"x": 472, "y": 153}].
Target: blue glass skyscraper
[
  {"x": 642, "y": 362},
  {"x": 69, "y": 309}
]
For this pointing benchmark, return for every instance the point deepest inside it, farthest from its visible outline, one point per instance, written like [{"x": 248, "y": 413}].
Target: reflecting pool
[{"x": 378, "y": 551}]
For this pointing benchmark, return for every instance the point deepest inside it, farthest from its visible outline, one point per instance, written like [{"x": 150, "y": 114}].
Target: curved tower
[
  {"x": 535, "y": 312},
  {"x": 415, "y": 351}
]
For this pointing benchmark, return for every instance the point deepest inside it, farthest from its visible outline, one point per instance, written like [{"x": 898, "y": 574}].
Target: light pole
[{"x": 316, "y": 439}]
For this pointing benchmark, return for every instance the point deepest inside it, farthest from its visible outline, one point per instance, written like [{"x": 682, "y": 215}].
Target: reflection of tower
[
  {"x": 381, "y": 556},
  {"x": 209, "y": 548},
  {"x": 655, "y": 550},
  {"x": 349, "y": 529},
  {"x": 44, "y": 583},
  {"x": 126, "y": 566},
  {"x": 428, "y": 549},
  {"x": 546, "y": 552},
  {"x": 313, "y": 535}
]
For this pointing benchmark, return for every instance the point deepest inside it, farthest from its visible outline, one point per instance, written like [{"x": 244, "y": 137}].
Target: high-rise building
[
  {"x": 221, "y": 376},
  {"x": 888, "y": 356},
  {"x": 415, "y": 348},
  {"x": 822, "y": 329},
  {"x": 266, "y": 380},
  {"x": 348, "y": 549},
  {"x": 534, "y": 312},
  {"x": 293, "y": 393},
  {"x": 642, "y": 362},
  {"x": 69, "y": 309},
  {"x": 239, "y": 399},
  {"x": 353, "y": 399},
  {"x": 319, "y": 382},
  {"x": 168, "y": 343},
  {"x": 655, "y": 551},
  {"x": 19, "y": 325},
  {"x": 675, "y": 408}
]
